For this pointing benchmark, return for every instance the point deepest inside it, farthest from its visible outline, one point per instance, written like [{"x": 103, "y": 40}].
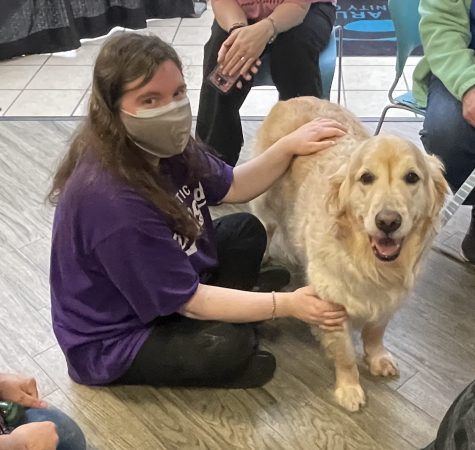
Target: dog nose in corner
[{"x": 388, "y": 221}]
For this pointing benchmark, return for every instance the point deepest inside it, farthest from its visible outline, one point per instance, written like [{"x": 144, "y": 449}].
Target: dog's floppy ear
[
  {"x": 337, "y": 195},
  {"x": 437, "y": 184}
]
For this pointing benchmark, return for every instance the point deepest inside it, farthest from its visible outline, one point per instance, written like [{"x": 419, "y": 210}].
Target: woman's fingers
[
  {"x": 250, "y": 69},
  {"x": 239, "y": 59},
  {"x": 31, "y": 402},
  {"x": 333, "y": 322},
  {"x": 334, "y": 314},
  {"x": 328, "y": 123},
  {"x": 246, "y": 69},
  {"x": 236, "y": 65},
  {"x": 233, "y": 56},
  {"x": 222, "y": 53},
  {"x": 314, "y": 147},
  {"x": 329, "y": 132},
  {"x": 330, "y": 328},
  {"x": 248, "y": 74},
  {"x": 30, "y": 387},
  {"x": 226, "y": 47}
]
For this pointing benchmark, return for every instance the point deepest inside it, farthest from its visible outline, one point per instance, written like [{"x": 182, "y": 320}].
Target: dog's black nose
[{"x": 388, "y": 221}]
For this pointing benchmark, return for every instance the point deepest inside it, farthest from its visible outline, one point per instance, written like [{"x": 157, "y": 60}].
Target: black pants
[
  {"x": 457, "y": 429},
  {"x": 187, "y": 352},
  {"x": 294, "y": 70}
]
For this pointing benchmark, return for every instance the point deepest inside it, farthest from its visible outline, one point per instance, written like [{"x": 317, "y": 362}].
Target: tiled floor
[{"x": 58, "y": 84}]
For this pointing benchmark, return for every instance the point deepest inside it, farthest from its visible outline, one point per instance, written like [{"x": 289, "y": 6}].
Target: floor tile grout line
[
  {"x": 21, "y": 91},
  {"x": 47, "y": 349},
  {"x": 374, "y": 90},
  {"x": 70, "y": 65},
  {"x": 407, "y": 381},
  {"x": 10, "y": 105},
  {"x": 36, "y": 73},
  {"x": 46, "y": 60},
  {"x": 176, "y": 31},
  {"x": 54, "y": 89},
  {"x": 45, "y": 89},
  {"x": 84, "y": 91},
  {"x": 19, "y": 249},
  {"x": 81, "y": 99}
]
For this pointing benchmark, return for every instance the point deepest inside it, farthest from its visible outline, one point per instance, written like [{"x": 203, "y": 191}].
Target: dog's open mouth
[{"x": 386, "y": 249}]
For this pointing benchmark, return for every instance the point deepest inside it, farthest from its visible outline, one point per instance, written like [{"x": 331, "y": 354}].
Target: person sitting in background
[
  {"x": 444, "y": 83},
  {"x": 293, "y": 31},
  {"x": 40, "y": 427}
]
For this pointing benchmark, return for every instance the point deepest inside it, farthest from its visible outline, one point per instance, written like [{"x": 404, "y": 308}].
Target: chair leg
[
  {"x": 458, "y": 198},
  {"x": 340, "y": 59},
  {"x": 381, "y": 119}
]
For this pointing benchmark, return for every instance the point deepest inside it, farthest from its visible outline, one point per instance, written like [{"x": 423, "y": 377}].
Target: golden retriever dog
[{"x": 358, "y": 217}]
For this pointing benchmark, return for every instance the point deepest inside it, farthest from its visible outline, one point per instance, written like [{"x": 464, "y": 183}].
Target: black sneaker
[
  {"x": 258, "y": 372},
  {"x": 272, "y": 278},
  {"x": 468, "y": 244}
]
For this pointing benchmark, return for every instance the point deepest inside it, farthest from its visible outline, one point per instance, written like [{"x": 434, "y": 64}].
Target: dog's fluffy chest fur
[{"x": 341, "y": 268}]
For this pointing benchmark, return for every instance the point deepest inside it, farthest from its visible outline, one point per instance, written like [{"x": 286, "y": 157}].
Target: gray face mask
[{"x": 163, "y": 131}]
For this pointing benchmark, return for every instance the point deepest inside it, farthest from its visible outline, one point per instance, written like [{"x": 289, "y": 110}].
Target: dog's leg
[
  {"x": 261, "y": 209},
  {"x": 339, "y": 347},
  {"x": 379, "y": 360},
  {"x": 270, "y": 230}
]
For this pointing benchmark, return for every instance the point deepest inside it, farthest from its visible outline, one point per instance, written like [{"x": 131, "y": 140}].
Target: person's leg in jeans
[
  {"x": 448, "y": 135},
  {"x": 218, "y": 122},
  {"x": 70, "y": 435},
  {"x": 187, "y": 352},
  {"x": 294, "y": 54}
]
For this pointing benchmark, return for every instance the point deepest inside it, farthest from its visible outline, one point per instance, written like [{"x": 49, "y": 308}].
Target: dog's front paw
[
  {"x": 351, "y": 397},
  {"x": 383, "y": 365}
]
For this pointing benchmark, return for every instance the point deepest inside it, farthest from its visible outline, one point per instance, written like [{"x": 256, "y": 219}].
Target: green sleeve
[{"x": 445, "y": 34}]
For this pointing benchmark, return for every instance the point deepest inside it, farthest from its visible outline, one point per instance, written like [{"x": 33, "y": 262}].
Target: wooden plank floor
[{"x": 433, "y": 337}]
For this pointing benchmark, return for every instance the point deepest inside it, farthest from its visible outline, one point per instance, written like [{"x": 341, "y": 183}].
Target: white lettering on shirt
[{"x": 197, "y": 203}]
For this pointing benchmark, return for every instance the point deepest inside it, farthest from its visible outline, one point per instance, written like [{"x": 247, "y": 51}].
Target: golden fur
[{"x": 320, "y": 215}]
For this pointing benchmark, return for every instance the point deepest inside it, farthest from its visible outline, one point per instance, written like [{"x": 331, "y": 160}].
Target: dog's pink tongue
[{"x": 387, "y": 246}]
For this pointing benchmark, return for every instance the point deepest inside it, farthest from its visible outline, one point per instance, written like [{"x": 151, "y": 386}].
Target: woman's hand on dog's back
[
  {"x": 305, "y": 305},
  {"x": 314, "y": 136}
]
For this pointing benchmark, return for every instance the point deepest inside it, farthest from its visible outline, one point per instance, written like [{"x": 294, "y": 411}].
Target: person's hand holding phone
[
  {"x": 224, "y": 83},
  {"x": 248, "y": 76}
]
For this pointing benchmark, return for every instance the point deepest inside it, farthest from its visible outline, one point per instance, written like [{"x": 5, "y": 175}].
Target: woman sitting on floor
[{"x": 145, "y": 287}]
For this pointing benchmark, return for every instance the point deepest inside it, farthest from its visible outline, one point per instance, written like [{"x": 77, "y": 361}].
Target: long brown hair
[{"x": 123, "y": 59}]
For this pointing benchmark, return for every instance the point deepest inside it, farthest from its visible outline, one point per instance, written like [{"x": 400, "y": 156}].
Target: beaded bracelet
[
  {"x": 275, "y": 32},
  {"x": 235, "y": 26}
]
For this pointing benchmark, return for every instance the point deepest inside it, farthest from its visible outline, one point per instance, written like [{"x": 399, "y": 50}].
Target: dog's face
[{"x": 389, "y": 187}]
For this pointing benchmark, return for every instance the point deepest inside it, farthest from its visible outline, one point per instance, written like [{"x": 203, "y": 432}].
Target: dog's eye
[
  {"x": 367, "y": 178},
  {"x": 411, "y": 178}
]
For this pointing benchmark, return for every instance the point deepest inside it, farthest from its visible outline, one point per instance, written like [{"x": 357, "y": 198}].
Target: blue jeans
[
  {"x": 448, "y": 135},
  {"x": 70, "y": 435}
]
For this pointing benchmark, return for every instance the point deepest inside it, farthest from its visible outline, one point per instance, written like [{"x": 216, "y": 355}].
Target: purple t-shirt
[{"x": 116, "y": 265}]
